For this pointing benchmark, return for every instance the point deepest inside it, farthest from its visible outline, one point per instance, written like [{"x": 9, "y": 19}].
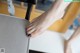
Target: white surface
[
  {"x": 12, "y": 34},
  {"x": 49, "y": 41},
  {"x": 52, "y": 42}
]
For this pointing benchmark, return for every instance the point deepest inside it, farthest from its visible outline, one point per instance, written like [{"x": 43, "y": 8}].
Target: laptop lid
[{"x": 13, "y": 38}]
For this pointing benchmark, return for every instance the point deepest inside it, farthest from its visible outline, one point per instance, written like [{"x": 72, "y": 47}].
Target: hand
[{"x": 41, "y": 23}]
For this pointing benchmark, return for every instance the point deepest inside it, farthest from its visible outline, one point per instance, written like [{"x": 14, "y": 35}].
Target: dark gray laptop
[{"x": 13, "y": 37}]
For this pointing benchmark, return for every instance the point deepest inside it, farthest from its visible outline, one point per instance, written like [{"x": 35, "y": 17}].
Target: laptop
[{"x": 13, "y": 38}]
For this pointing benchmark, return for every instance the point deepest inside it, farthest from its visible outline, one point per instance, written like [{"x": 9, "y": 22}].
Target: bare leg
[
  {"x": 67, "y": 42},
  {"x": 67, "y": 47}
]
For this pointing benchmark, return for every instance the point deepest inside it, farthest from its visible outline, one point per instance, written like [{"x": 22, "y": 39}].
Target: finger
[
  {"x": 31, "y": 26},
  {"x": 30, "y": 31},
  {"x": 37, "y": 32}
]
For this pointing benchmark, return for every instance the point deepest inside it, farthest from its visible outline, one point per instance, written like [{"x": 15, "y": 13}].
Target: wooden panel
[{"x": 3, "y": 8}]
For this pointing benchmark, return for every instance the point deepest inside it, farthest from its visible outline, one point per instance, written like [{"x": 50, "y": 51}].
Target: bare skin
[
  {"x": 41, "y": 23},
  {"x": 73, "y": 37}
]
